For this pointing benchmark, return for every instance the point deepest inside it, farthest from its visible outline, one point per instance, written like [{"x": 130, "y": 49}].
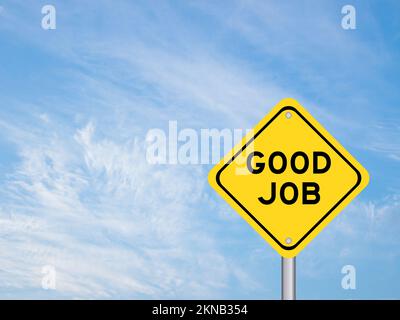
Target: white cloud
[
  {"x": 111, "y": 224},
  {"x": 363, "y": 230}
]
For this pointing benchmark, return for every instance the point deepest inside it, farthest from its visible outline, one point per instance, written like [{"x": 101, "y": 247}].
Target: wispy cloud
[
  {"x": 110, "y": 223},
  {"x": 81, "y": 196}
]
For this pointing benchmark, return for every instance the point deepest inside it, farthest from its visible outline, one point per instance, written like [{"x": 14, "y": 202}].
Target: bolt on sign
[{"x": 288, "y": 178}]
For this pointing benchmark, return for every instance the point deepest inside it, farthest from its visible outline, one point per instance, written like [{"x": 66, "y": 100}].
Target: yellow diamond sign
[{"x": 288, "y": 178}]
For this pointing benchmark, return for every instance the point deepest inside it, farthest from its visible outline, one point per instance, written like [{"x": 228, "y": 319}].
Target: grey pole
[{"x": 288, "y": 278}]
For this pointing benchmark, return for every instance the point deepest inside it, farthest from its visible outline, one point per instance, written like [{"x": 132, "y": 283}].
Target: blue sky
[{"x": 76, "y": 104}]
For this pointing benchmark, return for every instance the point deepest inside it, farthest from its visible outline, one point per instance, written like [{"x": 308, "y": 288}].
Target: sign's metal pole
[{"x": 288, "y": 278}]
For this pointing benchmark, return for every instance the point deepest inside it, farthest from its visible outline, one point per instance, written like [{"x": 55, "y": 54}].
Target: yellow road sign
[{"x": 288, "y": 178}]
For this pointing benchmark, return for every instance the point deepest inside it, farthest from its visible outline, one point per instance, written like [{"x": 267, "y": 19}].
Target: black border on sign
[{"x": 249, "y": 213}]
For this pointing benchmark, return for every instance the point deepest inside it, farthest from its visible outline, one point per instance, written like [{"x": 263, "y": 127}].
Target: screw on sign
[{"x": 288, "y": 178}]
